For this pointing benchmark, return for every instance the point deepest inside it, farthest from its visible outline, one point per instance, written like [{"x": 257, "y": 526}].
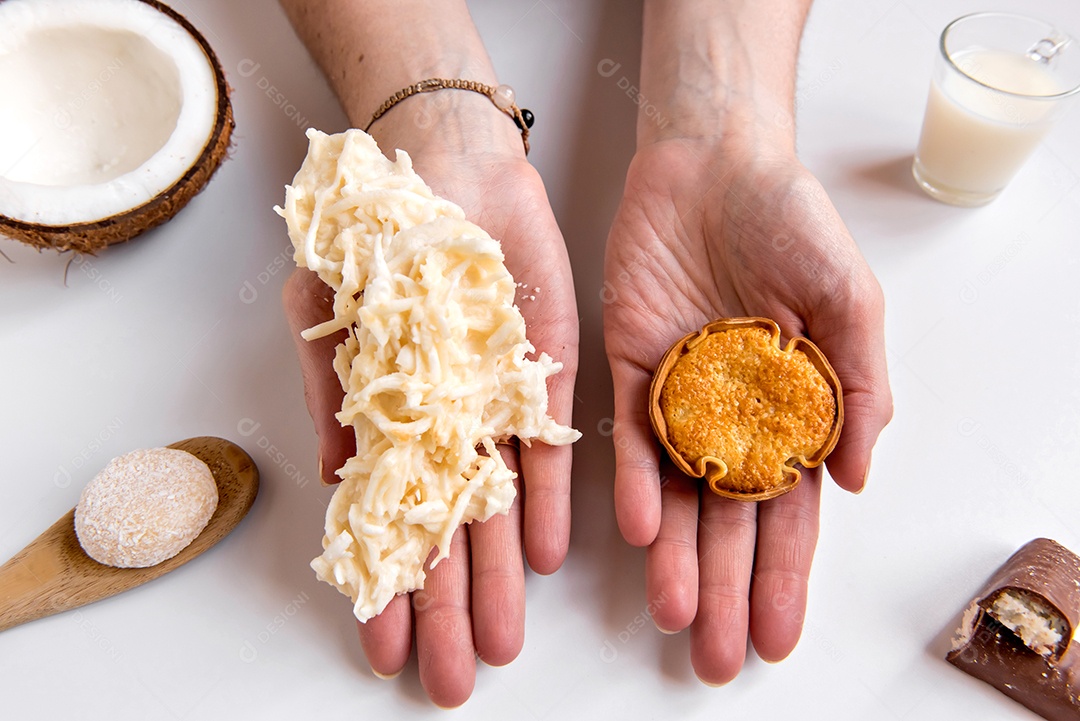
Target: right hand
[{"x": 713, "y": 229}]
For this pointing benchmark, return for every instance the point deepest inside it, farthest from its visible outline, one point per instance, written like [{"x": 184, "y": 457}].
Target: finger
[
  {"x": 726, "y": 546},
  {"x": 671, "y": 562},
  {"x": 444, "y": 641},
  {"x": 545, "y": 470},
  {"x": 498, "y": 582},
  {"x": 637, "y": 456},
  {"x": 387, "y": 638},
  {"x": 853, "y": 339},
  {"x": 550, "y": 310},
  {"x": 307, "y": 302},
  {"x": 546, "y": 475},
  {"x": 786, "y": 537}
]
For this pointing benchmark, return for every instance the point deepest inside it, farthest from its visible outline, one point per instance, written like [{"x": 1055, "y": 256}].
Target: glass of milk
[{"x": 1000, "y": 81}]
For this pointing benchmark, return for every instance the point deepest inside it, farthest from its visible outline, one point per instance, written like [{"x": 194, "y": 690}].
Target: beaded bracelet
[{"x": 502, "y": 96}]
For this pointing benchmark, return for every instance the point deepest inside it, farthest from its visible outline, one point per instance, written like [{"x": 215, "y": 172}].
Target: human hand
[
  {"x": 708, "y": 230},
  {"x": 473, "y": 602}
]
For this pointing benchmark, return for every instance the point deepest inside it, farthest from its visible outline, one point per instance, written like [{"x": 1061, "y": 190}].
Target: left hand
[
  {"x": 708, "y": 231},
  {"x": 473, "y": 603}
]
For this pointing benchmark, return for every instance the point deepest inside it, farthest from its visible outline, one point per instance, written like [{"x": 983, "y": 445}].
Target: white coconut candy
[
  {"x": 145, "y": 507},
  {"x": 1038, "y": 626}
]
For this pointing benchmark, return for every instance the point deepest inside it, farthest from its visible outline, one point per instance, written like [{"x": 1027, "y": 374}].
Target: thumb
[
  {"x": 308, "y": 302},
  {"x": 637, "y": 455},
  {"x": 851, "y": 334}
]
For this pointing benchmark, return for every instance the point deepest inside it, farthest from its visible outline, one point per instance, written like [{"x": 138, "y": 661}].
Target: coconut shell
[{"x": 94, "y": 236}]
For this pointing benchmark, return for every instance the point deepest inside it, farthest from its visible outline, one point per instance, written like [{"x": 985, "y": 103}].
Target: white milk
[{"x": 974, "y": 138}]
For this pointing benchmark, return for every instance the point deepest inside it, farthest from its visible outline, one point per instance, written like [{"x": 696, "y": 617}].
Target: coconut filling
[
  {"x": 1038, "y": 626},
  {"x": 107, "y": 104}
]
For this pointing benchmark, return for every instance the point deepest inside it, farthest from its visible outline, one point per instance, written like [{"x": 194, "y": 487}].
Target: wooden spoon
[{"x": 54, "y": 574}]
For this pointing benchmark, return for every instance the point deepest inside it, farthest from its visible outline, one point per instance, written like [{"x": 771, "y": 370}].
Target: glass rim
[{"x": 1015, "y": 16}]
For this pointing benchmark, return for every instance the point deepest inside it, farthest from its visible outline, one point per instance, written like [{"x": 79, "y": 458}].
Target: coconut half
[{"x": 116, "y": 113}]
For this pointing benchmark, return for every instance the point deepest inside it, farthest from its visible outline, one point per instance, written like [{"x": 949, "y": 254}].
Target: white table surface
[{"x": 181, "y": 333}]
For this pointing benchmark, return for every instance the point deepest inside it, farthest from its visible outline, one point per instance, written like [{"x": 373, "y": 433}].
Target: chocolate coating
[{"x": 989, "y": 651}]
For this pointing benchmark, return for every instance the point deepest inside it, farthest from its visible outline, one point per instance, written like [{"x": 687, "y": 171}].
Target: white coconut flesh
[{"x": 107, "y": 103}]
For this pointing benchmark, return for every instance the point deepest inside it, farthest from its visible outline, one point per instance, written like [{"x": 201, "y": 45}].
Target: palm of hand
[
  {"x": 688, "y": 247},
  {"x": 689, "y": 244}
]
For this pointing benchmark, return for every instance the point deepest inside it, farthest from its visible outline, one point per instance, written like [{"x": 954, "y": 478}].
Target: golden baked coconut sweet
[{"x": 732, "y": 407}]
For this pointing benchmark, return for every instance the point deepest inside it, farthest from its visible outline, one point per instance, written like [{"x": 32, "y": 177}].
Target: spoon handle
[{"x": 38, "y": 581}]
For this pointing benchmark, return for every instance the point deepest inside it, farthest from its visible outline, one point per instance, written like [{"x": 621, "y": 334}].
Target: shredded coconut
[
  {"x": 434, "y": 364},
  {"x": 1038, "y": 625}
]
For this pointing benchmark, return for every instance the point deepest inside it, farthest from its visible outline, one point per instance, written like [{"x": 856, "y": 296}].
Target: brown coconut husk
[{"x": 99, "y": 234}]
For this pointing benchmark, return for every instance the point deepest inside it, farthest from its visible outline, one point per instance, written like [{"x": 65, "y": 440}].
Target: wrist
[
  {"x": 720, "y": 73},
  {"x": 371, "y": 49},
  {"x": 738, "y": 130},
  {"x": 449, "y": 122}
]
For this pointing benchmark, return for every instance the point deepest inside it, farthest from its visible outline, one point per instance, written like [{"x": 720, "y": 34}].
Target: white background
[{"x": 180, "y": 333}]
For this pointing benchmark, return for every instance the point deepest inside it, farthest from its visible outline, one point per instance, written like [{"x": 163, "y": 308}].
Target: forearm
[
  {"x": 370, "y": 49},
  {"x": 718, "y": 68}
]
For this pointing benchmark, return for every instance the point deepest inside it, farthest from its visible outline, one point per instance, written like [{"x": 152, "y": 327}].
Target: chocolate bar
[{"x": 1017, "y": 633}]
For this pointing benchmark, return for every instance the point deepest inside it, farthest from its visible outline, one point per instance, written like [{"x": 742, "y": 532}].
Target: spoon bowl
[{"x": 54, "y": 574}]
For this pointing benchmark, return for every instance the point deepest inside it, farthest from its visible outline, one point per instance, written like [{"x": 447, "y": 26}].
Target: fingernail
[
  {"x": 865, "y": 475},
  {"x": 387, "y": 676},
  {"x": 710, "y": 684},
  {"x": 663, "y": 630},
  {"x": 322, "y": 478}
]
